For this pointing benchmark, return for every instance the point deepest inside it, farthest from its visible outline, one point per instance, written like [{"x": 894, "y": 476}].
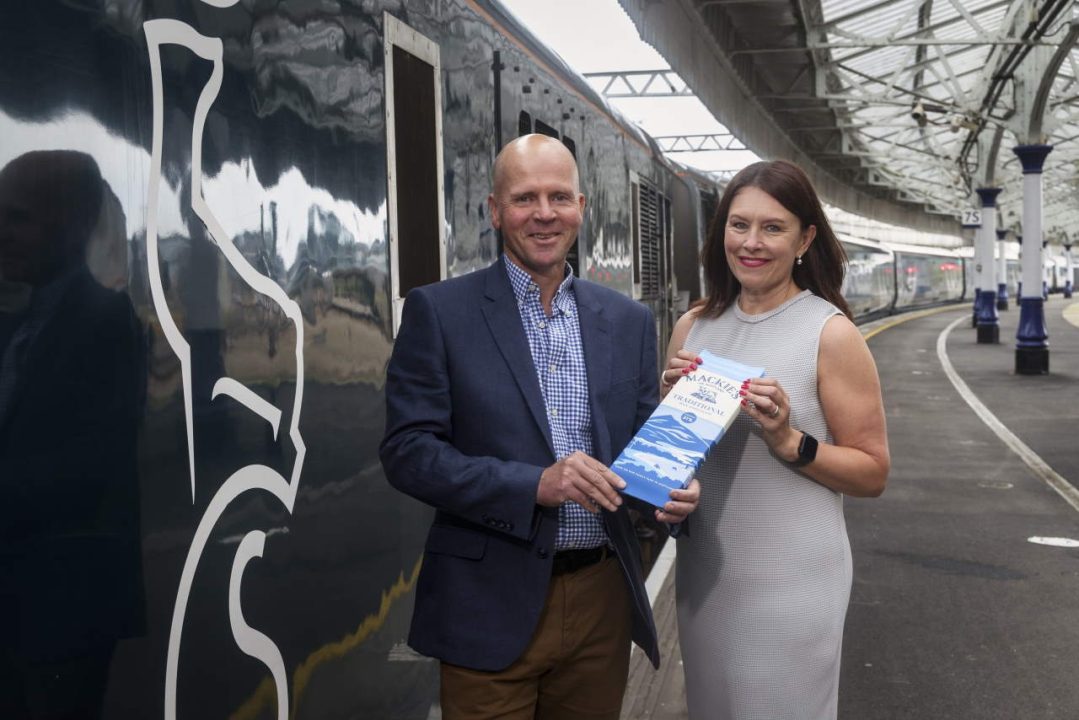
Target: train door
[
  {"x": 417, "y": 228},
  {"x": 651, "y": 231}
]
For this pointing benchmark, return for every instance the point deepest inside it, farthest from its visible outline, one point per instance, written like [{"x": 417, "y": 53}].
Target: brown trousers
[{"x": 574, "y": 667}]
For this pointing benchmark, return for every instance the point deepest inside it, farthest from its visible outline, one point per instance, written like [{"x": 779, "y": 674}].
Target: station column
[
  {"x": 1032, "y": 337},
  {"x": 986, "y": 300},
  {"x": 1002, "y": 270}
]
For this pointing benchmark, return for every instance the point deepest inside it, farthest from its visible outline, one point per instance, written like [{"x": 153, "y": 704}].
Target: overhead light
[
  {"x": 918, "y": 113},
  {"x": 962, "y": 122}
]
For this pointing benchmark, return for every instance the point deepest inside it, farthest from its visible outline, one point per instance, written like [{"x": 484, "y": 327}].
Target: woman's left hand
[{"x": 764, "y": 400}]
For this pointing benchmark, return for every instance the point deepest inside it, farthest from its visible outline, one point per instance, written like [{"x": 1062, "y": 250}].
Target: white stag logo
[{"x": 253, "y": 477}]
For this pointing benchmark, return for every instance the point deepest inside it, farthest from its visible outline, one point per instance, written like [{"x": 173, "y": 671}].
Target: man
[
  {"x": 72, "y": 381},
  {"x": 509, "y": 391}
]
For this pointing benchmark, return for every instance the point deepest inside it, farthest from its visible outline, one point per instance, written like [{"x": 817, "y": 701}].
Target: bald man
[
  {"x": 72, "y": 380},
  {"x": 509, "y": 392}
]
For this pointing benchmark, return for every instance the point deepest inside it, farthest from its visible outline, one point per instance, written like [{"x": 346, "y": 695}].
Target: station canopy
[{"x": 899, "y": 109}]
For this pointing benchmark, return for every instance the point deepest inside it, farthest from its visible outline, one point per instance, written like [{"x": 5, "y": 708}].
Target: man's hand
[
  {"x": 681, "y": 504},
  {"x": 582, "y": 479}
]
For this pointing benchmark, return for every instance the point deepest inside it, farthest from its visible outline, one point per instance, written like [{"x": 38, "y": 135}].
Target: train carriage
[{"x": 274, "y": 178}]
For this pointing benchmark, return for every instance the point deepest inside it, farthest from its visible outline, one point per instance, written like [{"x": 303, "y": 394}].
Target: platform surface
[{"x": 954, "y": 612}]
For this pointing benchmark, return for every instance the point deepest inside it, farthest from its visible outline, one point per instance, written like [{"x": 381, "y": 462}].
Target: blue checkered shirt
[{"x": 558, "y": 356}]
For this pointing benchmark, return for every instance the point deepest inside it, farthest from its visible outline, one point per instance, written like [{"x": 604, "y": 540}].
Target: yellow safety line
[
  {"x": 265, "y": 696},
  {"x": 913, "y": 316}
]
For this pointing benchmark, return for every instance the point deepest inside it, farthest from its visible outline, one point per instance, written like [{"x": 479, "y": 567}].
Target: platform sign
[{"x": 972, "y": 217}]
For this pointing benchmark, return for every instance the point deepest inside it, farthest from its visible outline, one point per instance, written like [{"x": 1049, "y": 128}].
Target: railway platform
[{"x": 965, "y": 602}]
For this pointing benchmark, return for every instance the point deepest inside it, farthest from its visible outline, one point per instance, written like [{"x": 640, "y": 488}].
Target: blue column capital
[
  {"x": 988, "y": 195},
  {"x": 1032, "y": 157},
  {"x": 1002, "y": 234}
]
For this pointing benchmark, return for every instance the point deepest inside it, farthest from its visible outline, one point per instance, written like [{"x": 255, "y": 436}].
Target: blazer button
[{"x": 541, "y": 553}]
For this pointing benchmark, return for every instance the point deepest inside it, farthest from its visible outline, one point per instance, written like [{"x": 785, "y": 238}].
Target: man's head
[
  {"x": 49, "y": 204},
  {"x": 537, "y": 203}
]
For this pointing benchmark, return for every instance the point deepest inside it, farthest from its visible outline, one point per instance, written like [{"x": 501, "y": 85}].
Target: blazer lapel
[
  {"x": 596, "y": 338},
  {"x": 499, "y": 308}
]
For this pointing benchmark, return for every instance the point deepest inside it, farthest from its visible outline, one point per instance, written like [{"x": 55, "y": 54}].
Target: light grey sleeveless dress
[{"x": 764, "y": 577}]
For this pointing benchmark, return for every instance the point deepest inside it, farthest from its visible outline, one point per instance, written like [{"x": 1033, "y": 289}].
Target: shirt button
[
  {"x": 554, "y": 412},
  {"x": 551, "y": 368},
  {"x": 542, "y": 324}
]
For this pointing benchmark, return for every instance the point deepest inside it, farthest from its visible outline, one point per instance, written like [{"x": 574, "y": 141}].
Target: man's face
[
  {"x": 28, "y": 244},
  {"x": 538, "y": 207}
]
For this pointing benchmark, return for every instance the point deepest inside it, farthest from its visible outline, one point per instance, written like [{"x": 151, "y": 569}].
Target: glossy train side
[{"x": 196, "y": 524}]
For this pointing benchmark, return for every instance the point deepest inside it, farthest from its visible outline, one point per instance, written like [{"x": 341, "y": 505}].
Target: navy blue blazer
[{"x": 466, "y": 432}]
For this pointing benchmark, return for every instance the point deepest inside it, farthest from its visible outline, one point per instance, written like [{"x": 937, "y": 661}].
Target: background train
[{"x": 219, "y": 540}]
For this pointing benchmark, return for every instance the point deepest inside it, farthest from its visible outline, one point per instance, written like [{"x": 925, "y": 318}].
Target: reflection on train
[
  {"x": 267, "y": 181},
  {"x": 886, "y": 278}
]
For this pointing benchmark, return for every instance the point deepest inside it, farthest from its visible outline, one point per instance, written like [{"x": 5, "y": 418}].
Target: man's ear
[{"x": 493, "y": 209}]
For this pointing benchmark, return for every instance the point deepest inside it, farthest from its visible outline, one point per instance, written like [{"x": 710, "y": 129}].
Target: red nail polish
[
  {"x": 744, "y": 404},
  {"x": 699, "y": 361},
  {"x": 692, "y": 367},
  {"x": 742, "y": 392},
  {"x": 685, "y": 371}
]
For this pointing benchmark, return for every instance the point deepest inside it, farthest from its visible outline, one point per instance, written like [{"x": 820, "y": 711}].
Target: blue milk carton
[{"x": 666, "y": 451}]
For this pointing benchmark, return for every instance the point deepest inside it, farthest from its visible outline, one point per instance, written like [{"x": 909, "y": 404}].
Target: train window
[
  {"x": 651, "y": 212},
  {"x": 524, "y": 124},
  {"x": 413, "y": 161},
  {"x": 545, "y": 129}
]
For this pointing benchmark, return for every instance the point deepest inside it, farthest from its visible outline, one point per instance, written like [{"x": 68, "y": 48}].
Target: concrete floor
[{"x": 954, "y": 613}]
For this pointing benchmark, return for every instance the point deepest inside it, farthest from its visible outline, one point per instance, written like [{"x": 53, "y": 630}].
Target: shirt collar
[{"x": 524, "y": 287}]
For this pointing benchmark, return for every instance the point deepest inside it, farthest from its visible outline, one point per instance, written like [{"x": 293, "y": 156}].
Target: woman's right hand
[{"x": 679, "y": 365}]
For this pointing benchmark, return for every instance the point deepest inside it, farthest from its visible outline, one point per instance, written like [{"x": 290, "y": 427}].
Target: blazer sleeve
[
  {"x": 649, "y": 377},
  {"x": 417, "y": 451}
]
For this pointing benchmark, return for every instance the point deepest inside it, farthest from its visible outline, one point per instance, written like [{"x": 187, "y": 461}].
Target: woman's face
[{"x": 762, "y": 239}]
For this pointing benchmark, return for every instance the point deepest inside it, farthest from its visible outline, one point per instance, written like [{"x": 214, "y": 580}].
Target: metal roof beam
[
  {"x": 932, "y": 28},
  {"x": 698, "y": 143},
  {"x": 628, "y": 84},
  {"x": 855, "y": 14}
]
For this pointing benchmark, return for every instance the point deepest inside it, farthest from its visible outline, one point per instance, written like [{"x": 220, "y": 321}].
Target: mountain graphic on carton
[{"x": 667, "y": 430}]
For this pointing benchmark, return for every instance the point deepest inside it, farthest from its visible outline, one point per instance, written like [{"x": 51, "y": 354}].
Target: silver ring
[
  {"x": 752, "y": 405},
  {"x": 774, "y": 413}
]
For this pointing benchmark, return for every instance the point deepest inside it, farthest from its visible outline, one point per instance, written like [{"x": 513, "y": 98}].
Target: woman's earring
[{"x": 799, "y": 259}]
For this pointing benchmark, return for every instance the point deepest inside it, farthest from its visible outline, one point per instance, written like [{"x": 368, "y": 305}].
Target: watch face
[{"x": 807, "y": 449}]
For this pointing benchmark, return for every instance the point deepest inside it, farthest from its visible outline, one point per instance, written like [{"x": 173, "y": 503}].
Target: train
[{"x": 196, "y": 523}]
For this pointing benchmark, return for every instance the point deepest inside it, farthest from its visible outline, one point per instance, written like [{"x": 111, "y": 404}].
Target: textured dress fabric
[{"x": 764, "y": 579}]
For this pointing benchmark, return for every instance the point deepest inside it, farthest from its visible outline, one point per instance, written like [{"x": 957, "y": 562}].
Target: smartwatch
[{"x": 807, "y": 450}]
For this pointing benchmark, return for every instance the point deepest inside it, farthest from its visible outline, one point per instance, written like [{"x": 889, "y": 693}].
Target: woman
[{"x": 764, "y": 579}]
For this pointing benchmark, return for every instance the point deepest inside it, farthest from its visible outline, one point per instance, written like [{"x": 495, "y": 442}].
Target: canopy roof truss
[
  {"x": 901, "y": 99},
  {"x": 919, "y": 82}
]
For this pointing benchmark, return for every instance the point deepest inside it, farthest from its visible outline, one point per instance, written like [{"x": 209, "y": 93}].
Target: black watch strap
[{"x": 807, "y": 450}]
